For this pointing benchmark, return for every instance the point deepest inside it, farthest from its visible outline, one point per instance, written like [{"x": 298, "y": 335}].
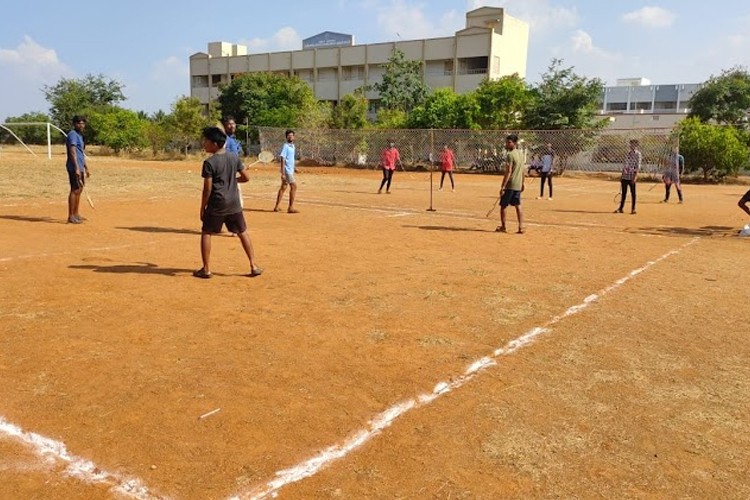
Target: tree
[
  {"x": 402, "y": 87},
  {"x": 117, "y": 128},
  {"x": 32, "y": 134},
  {"x": 502, "y": 104},
  {"x": 351, "y": 111},
  {"x": 69, "y": 96},
  {"x": 716, "y": 150},
  {"x": 724, "y": 98},
  {"x": 187, "y": 121},
  {"x": 444, "y": 109},
  {"x": 268, "y": 99},
  {"x": 564, "y": 100}
]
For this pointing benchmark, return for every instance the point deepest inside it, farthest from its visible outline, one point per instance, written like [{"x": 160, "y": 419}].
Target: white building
[
  {"x": 636, "y": 103},
  {"x": 493, "y": 44}
]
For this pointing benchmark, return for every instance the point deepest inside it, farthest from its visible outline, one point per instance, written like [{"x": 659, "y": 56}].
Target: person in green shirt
[{"x": 513, "y": 183}]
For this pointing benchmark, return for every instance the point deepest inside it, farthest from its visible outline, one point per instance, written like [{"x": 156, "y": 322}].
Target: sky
[{"x": 146, "y": 45}]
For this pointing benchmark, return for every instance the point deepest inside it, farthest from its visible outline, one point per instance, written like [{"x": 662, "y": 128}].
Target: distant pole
[
  {"x": 247, "y": 135},
  {"x": 49, "y": 142},
  {"x": 432, "y": 147}
]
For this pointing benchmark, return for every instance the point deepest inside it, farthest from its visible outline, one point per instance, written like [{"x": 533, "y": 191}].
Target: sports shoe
[
  {"x": 74, "y": 220},
  {"x": 255, "y": 272}
]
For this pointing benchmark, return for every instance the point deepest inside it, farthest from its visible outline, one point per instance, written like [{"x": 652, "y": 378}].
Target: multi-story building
[
  {"x": 493, "y": 44},
  {"x": 636, "y": 103}
]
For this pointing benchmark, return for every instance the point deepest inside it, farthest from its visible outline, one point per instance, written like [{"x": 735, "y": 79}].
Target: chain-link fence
[{"x": 600, "y": 150}]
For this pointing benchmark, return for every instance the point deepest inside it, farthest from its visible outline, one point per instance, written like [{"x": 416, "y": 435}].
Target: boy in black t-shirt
[{"x": 220, "y": 202}]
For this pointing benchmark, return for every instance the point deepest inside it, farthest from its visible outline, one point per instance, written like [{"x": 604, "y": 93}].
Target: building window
[
  {"x": 472, "y": 66},
  {"x": 353, "y": 73},
  {"x": 640, "y": 106},
  {"x": 200, "y": 81},
  {"x": 217, "y": 80},
  {"x": 325, "y": 74},
  {"x": 617, "y": 106},
  {"x": 439, "y": 68},
  {"x": 304, "y": 74},
  {"x": 665, "y": 105}
]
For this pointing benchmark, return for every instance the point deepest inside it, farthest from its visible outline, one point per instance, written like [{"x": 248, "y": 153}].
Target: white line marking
[
  {"x": 401, "y": 214},
  {"x": 78, "y": 467},
  {"x": 383, "y": 420}
]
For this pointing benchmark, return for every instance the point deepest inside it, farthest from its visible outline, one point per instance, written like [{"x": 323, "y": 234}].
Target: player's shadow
[
  {"x": 704, "y": 232},
  {"x": 137, "y": 268},
  {"x": 25, "y": 218},
  {"x": 451, "y": 228},
  {"x": 155, "y": 229}
]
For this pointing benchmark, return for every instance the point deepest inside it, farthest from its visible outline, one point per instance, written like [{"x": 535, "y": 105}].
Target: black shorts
[
  {"x": 235, "y": 223},
  {"x": 75, "y": 182},
  {"x": 745, "y": 197},
  {"x": 510, "y": 197}
]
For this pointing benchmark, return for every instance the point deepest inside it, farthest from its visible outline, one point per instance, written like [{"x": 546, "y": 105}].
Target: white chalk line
[
  {"x": 383, "y": 420},
  {"x": 77, "y": 467}
]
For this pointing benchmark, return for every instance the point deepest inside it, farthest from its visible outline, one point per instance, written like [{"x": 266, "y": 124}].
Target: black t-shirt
[{"x": 222, "y": 169}]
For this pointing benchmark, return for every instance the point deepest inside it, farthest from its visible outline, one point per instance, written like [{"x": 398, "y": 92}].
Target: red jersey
[
  {"x": 446, "y": 160},
  {"x": 389, "y": 158}
]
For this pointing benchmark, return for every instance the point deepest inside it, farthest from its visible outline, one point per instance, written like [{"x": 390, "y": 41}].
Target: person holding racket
[
  {"x": 230, "y": 128},
  {"x": 630, "y": 169},
  {"x": 513, "y": 183},
  {"x": 287, "y": 156},
  {"x": 447, "y": 159},
  {"x": 76, "y": 166},
  {"x": 675, "y": 165},
  {"x": 388, "y": 161},
  {"x": 220, "y": 201},
  {"x": 548, "y": 158}
]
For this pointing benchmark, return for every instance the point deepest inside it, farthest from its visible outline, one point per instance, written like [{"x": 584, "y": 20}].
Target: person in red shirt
[
  {"x": 388, "y": 161},
  {"x": 447, "y": 159}
]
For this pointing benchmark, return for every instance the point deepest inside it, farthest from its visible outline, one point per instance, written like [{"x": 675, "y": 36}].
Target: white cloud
[
  {"x": 25, "y": 70},
  {"x": 543, "y": 16},
  {"x": 170, "y": 69},
  {"x": 402, "y": 20},
  {"x": 286, "y": 38},
  {"x": 650, "y": 17}
]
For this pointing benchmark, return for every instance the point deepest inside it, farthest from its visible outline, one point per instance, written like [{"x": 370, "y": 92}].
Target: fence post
[{"x": 429, "y": 158}]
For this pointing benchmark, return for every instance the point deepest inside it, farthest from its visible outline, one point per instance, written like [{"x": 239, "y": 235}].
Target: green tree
[
  {"x": 445, "y": 109},
  {"x": 117, "y": 128},
  {"x": 187, "y": 121},
  {"x": 32, "y": 134},
  {"x": 716, "y": 150},
  {"x": 724, "y": 98},
  {"x": 402, "y": 87},
  {"x": 392, "y": 118},
  {"x": 564, "y": 100},
  {"x": 502, "y": 104},
  {"x": 268, "y": 99},
  {"x": 71, "y": 96},
  {"x": 351, "y": 111}
]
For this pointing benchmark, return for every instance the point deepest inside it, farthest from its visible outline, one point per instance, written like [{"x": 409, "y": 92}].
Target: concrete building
[
  {"x": 493, "y": 44},
  {"x": 636, "y": 103}
]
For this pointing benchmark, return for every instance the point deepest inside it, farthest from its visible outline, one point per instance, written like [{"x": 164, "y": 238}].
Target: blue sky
[{"x": 146, "y": 44}]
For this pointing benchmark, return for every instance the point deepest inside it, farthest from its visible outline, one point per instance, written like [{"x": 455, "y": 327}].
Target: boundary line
[
  {"x": 78, "y": 467},
  {"x": 383, "y": 420}
]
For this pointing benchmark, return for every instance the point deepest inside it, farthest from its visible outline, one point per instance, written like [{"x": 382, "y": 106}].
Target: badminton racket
[
  {"x": 263, "y": 157},
  {"x": 489, "y": 212},
  {"x": 86, "y": 193}
]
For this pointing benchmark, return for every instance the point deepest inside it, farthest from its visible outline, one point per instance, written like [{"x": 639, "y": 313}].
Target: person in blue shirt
[
  {"x": 76, "y": 166},
  {"x": 230, "y": 128},
  {"x": 287, "y": 173},
  {"x": 232, "y": 145},
  {"x": 674, "y": 167}
]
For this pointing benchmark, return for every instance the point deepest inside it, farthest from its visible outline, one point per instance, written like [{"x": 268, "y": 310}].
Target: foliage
[
  {"x": 724, "y": 98},
  {"x": 267, "y": 99},
  {"x": 187, "y": 121},
  {"x": 351, "y": 111},
  {"x": 502, "y": 104},
  {"x": 715, "y": 150},
  {"x": 70, "y": 96},
  {"x": 444, "y": 109},
  {"x": 391, "y": 119},
  {"x": 32, "y": 134},
  {"x": 402, "y": 87},
  {"x": 564, "y": 100},
  {"x": 117, "y": 128}
]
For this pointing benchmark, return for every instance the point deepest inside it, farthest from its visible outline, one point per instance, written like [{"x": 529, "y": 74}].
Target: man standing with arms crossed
[
  {"x": 232, "y": 145},
  {"x": 513, "y": 184},
  {"x": 76, "y": 167},
  {"x": 287, "y": 173}
]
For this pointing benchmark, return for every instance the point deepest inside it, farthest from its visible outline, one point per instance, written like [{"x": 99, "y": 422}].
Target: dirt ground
[{"x": 110, "y": 346}]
